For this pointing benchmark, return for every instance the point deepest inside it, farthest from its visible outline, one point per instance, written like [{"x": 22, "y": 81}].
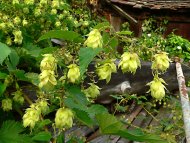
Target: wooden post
[{"x": 184, "y": 100}]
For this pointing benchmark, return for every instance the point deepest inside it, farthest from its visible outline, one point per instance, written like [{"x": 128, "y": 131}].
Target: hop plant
[
  {"x": 105, "y": 70},
  {"x": 29, "y": 2},
  {"x": 42, "y": 105},
  {"x": 129, "y": 62},
  {"x": 93, "y": 91},
  {"x": 47, "y": 79},
  {"x": 7, "y": 104},
  {"x": 74, "y": 73},
  {"x": 48, "y": 63},
  {"x": 64, "y": 118},
  {"x": 160, "y": 62},
  {"x": 18, "y": 37},
  {"x": 31, "y": 116},
  {"x": 157, "y": 88},
  {"x": 18, "y": 97},
  {"x": 94, "y": 39}
]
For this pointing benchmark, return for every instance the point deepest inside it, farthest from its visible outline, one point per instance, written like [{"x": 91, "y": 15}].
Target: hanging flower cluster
[
  {"x": 94, "y": 39},
  {"x": 7, "y": 104},
  {"x": 105, "y": 70},
  {"x": 48, "y": 67},
  {"x": 129, "y": 62},
  {"x": 73, "y": 74},
  {"x": 92, "y": 92},
  {"x": 64, "y": 118},
  {"x": 157, "y": 88},
  {"x": 160, "y": 62},
  {"x": 18, "y": 97},
  {"x": 32, "y": 114}
]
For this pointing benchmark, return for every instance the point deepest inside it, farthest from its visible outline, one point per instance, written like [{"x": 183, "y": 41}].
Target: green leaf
[
  {"x": 33, "y": 77},
  {"x": 10, "y": 132},
  {"x": 60, "y": 138},
  {"x": 20, "y": 75},
  {"x": 124, "y": 32},
  {"x": 96, "y": 109},
  {"x": 111, "y": 125},
  {"x": 42, "y": 136},
  {"x": 83, "y": 117},
  {"x": 102, "y": 26},
  {"x": 86, "y": 55},
  {"x": 2, "y": 88},
  {"x": 108, "y": 123},
  {"x": 77, "y": 96},
  {"x": 43, "y": 123},
  {"x": 113, "y": 42},
  {"x": 13, "y": 60},
  {"x": 5, "y": 51},
  {"x": 65, "y": 35},
  {"x": 3, "y": 75}
]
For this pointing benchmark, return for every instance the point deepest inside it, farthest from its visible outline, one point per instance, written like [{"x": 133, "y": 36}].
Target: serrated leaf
[
  {"x": 108, "y": 123},
  {"x": 111, "y": 125},
  {"x": 42, "y": 136},
  {"x": 65, "y": 35},
  {"x": 3, "y": 75},
  {"x": 5, "y": 51},
  {"x": 43, "y": 123},
  {"x": 60, "y": 138},
  {"x": 102, "y": 26},
  {"x": 10, "y": 132},
  {"x": 78, "y": 97},
  {"x": 113, "y": 42},
  {"x": 14, "y": 59},
  {"x": 86, "y": 55},
  {"x": 20, "y": 75},
  {"x": 96, "y": 109},
  {"x": 83, "y": 117},
  {"x": 33, "y": 77},
  {"x": 2, "y": 88}
]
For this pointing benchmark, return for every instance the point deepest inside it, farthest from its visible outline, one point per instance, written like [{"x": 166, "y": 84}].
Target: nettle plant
[{"x": 65, "y": 86}]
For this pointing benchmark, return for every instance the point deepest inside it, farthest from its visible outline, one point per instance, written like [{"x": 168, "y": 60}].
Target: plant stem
[{"x": 184, "y": 100}]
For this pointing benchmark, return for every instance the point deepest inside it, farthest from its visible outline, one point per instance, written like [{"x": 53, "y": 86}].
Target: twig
[{"x": 184, "y": 100}]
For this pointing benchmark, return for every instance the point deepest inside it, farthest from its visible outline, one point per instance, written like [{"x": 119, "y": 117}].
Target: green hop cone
[
  {"x": 7, "y": 104},
  {"x": 94, "y": 39},
  {"x": 157, "y": 88},
  {"x": 31, "y": 116},
  {"x": 18, "y": 37},
  {"x": 129, "y": 62},
  {"x": 48, "y": 63},
  {"x": 105, "y": 70},
  {"x": 93, "y": 91},
  {"x": 42, "y": 105},
  {"x": 64, "y": 118},
  {"x": 18, "y": 97},
  {"x": 161, "y": 62},
  {"x": 47, "y": 79},
  {"x": 73, "y": 74}
]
